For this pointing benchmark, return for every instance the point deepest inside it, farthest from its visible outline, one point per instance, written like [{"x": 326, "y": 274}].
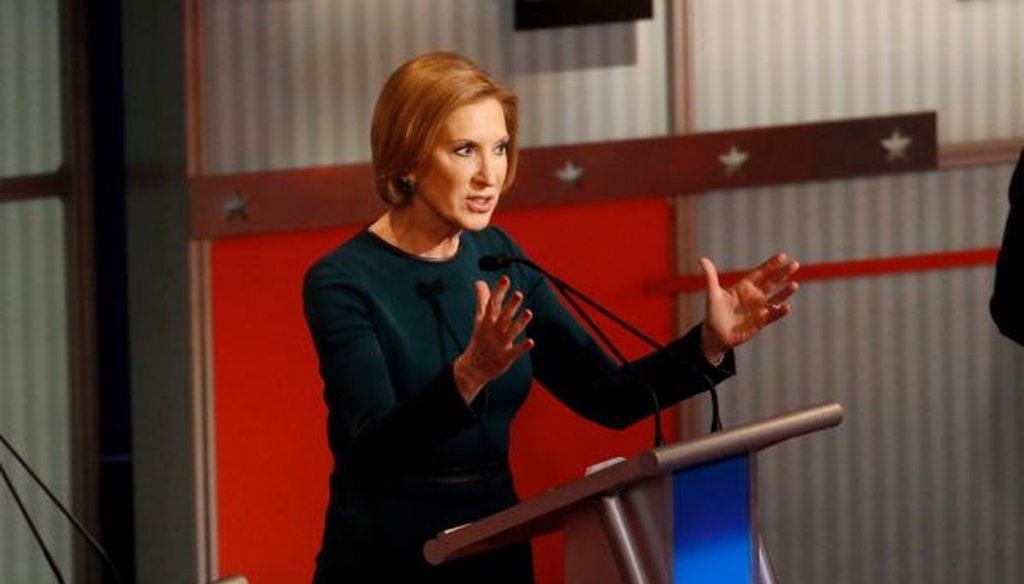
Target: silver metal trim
[{"x": 621, "y": 540}]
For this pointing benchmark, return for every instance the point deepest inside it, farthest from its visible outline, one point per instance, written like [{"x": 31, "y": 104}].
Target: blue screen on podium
[{"x": 712, "y": 523}]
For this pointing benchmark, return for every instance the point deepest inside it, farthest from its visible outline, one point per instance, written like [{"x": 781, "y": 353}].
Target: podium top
[
  {"x": 547, "y": 512},
  {"x": 748, "y": 437}
]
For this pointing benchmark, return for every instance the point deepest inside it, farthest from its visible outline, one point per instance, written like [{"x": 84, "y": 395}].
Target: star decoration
[
  {"x": 733, "y": 160},
  {"x": 236, "y": 207},
  {"x": 570, "y": 174},
  {"x": 896, "y": 145}
]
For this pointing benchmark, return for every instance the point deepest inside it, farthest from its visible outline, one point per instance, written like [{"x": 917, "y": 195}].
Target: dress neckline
[{"x": 399, "y": 251}]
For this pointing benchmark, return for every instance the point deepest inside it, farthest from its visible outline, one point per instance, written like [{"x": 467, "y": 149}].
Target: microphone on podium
[{"x": 492, "y": 263}]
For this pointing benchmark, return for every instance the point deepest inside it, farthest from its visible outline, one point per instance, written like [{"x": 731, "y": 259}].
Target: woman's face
[{"x": 463, "y": 177}]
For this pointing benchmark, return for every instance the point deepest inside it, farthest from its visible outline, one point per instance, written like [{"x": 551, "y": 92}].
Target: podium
[{"x": 685, "y": 512}]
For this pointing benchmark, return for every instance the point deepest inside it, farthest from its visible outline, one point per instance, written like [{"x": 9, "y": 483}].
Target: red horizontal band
[{"x": 842, "y": 270}]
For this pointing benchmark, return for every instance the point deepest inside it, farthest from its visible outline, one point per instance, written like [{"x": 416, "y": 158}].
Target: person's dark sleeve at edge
[{"x": 1007, "y": 303}]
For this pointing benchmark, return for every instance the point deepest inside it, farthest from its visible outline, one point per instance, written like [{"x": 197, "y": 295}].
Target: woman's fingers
[
  {"x": 501, "y": 306},
  {"x": 710, "y": 274},
  {"x": 774, "y": 312},
  {"x": 773, "y": 272},
  {"x": 497, "y": 300},
  {"x": 492, "y": 348},
  {"x": 520, "y": 349},
  {"x": 501, "y": 320},
  {"x": 778, "y": 275},
  {"x": 759, "y": 274},
  {"x": 775, "y": 307},
  {"x": 483, "y": 295},
  {"x": 519, "y": 325},
  {"x": 510, "y": 310},
  {"x": 785, "y": 294}
]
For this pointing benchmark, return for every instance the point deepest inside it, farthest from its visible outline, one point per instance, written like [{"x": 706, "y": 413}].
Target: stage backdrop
[
  {"x": 923, "y": 481},
  {"x": 272, "y": 458}
]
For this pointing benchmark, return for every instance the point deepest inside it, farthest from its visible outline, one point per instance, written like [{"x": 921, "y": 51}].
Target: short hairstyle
[{"x": 415, "y": 102}]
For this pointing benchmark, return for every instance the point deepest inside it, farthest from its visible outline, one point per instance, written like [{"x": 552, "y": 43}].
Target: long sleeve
[
  {"x": 1007, "y": 305},
  {"x": 574, "y": 368}
]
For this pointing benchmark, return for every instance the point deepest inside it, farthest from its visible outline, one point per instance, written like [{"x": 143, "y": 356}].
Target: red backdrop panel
[{"x": 272, "y": 457}]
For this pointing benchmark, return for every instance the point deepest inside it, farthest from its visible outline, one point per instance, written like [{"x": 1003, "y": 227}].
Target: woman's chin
[{"x": 476, "y": 222}]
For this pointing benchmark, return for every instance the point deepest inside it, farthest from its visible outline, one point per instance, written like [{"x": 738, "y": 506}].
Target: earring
[{"x": 406, "y": 186}]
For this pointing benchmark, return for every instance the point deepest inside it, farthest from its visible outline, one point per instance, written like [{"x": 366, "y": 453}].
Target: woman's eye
[
  {"x": 464, "y": 150},
  {"x": 501, "y": 148}
]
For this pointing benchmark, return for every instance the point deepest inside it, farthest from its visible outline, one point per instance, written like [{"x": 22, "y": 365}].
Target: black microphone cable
[
  {"x": 659, "y": 437},
  {"x": 74, "y": 521},
  {"x": 32, "y": 526},
  {"x": 497, "y": 262},
  {"x": 432, "y": 291}
]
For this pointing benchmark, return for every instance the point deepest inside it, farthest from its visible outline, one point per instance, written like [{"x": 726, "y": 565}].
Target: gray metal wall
[
  {"x": 786, "y": 61},
  {"x": 34, "y": 400},
  {"x": 30, "y": 114},
  {"x": 293, "y": 84},
  {"x": 34, "y": 369},
  {"x": 923, "y": 481}
]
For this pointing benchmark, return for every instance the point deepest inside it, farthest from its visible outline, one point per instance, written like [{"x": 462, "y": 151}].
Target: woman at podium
[{"x": 426, "y": 358}]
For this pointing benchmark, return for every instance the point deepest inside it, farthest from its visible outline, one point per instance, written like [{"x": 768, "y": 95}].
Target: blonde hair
[{"x": 412, "y": 106}]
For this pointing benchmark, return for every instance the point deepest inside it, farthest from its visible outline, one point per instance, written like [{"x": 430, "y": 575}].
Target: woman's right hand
[{"x": 493, "y": 348}]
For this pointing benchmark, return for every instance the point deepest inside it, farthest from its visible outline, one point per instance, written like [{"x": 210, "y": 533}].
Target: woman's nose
[{"x": 490, "y": 169}]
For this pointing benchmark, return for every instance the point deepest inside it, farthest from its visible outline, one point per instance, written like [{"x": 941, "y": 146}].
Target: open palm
[{"x": 736, "y": 314}]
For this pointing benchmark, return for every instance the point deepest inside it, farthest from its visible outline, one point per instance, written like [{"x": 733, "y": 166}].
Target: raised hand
[
  {"x": 734, "y": 315},
  {"x": 492, "y": 348}
]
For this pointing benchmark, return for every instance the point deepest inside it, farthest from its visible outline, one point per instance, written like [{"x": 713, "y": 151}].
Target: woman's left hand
[{"x": 734, "y": 315}]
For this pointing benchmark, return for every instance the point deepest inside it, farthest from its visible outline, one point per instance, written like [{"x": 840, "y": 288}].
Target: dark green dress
[{"x": 410, "y": 456}]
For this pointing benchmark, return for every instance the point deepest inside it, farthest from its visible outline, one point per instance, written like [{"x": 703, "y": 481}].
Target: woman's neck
[{"x": 401, "y": 228}]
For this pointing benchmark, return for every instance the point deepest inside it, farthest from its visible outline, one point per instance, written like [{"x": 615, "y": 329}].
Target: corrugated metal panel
[
  {"x": 292, "y": 84},
  {"x": 34, "y": 393},
  {"x": 762, "y": 63},
  {"x": 857, "y": 218},
  {"x": 922, "y": 482},
  {"x": 30, "y": 113}
]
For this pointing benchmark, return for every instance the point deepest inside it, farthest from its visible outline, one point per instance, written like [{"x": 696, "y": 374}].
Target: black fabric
[
  {"x": 1006, "y": 306},
  {"x": 386, "y": 327}
]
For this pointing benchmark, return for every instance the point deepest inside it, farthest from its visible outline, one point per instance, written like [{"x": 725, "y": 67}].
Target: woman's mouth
[{"x": 479, "y": 203}]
